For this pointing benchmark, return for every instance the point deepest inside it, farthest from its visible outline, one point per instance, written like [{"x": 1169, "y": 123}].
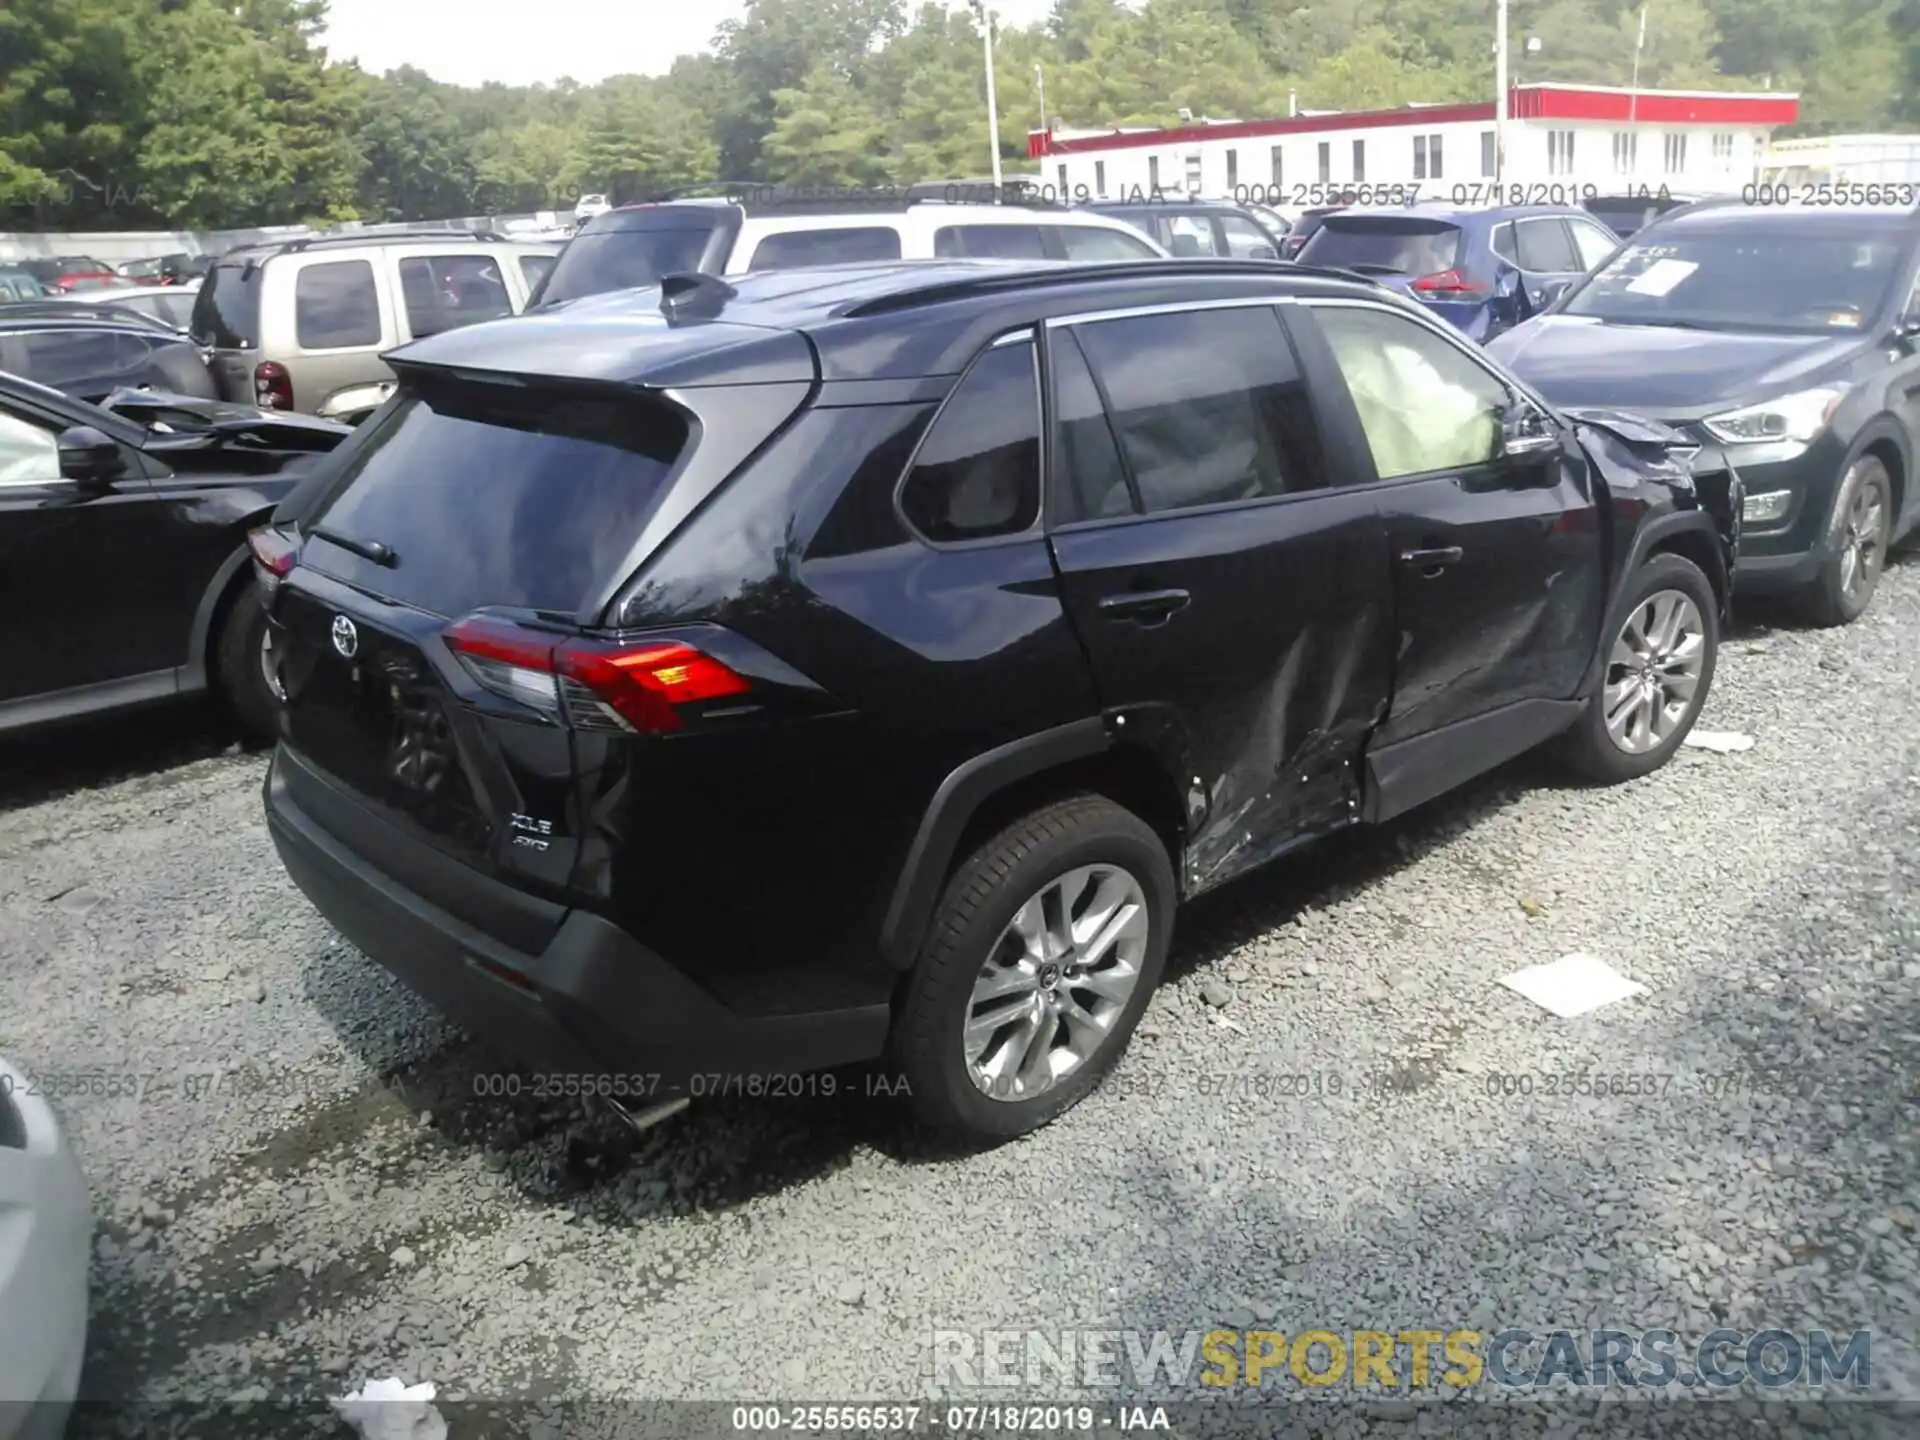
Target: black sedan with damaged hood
[{"x": 124, "y": 575}]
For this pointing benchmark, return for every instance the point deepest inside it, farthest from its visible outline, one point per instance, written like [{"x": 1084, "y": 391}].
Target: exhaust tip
[{"x": 641, "y": 1121}]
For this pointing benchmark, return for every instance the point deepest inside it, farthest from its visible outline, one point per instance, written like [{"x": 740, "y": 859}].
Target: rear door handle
[
  {"x": 1147, "y": 606},
  {"x": 1432, "y": 562}
]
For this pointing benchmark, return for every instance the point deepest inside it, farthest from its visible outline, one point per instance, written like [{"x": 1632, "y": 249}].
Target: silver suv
[{"x": 302, "y": 324}]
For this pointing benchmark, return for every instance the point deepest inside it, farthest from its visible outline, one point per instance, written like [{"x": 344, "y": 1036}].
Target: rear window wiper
[{"x": 366, "y": 549}]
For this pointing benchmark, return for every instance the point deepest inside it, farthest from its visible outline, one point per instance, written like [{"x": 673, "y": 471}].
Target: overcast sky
[{"x": 467, "y": 42}]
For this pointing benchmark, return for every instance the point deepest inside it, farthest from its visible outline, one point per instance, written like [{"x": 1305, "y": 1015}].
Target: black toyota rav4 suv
[{"x": 704, "y": 682}]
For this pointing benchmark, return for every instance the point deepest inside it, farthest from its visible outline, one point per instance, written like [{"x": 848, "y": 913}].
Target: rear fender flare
[{"x": 931, "y": 854}]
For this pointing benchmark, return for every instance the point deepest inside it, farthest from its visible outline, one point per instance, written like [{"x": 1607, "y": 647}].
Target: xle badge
[{"x": 531, "y": 833}]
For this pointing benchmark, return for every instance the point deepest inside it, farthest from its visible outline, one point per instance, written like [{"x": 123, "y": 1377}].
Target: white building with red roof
[{"x": 1563, "y": 143}]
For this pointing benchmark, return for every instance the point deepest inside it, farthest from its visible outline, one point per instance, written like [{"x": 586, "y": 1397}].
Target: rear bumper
[
  {"x": 43, "y": 1271},
  {"x": 593, "y": 1000}
]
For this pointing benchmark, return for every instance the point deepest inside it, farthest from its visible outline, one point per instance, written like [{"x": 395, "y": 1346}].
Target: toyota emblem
[{"x": 346, "y": 638}]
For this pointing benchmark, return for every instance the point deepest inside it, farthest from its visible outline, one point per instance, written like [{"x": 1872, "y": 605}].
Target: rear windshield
[
  {"x": 1406, "y": 247},
  {"x": 599, "y": 261},
  {"x": 489, "y": 496},
  {"x": 226, "y": 312}
]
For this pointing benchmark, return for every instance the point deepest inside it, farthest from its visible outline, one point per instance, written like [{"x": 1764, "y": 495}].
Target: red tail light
[
  {"x": 272, "y": 386},
  {"x": 274, "y": 551},
  {"x": 593, "y": 684},
  {"x": 1450, "y": 283}
]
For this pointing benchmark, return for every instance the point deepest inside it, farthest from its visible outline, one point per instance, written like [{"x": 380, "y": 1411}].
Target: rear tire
[
  {"x": 239, "y": 672},
  {"x": 995, "y": 932},
  {"x": 1854, "y": 546},
  {"x": 1656, "y": 671}
]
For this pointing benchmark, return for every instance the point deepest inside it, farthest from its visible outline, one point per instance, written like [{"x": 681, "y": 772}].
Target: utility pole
[
  {"x": 1500, "y": 93},
  {"x": 1040, "y": 82},
  {"x": 1633, "y": 97},
  {"x": 985, "y": 16}
]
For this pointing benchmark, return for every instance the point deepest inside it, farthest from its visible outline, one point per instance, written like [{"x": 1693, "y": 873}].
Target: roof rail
[
  {"x": 1063, "y": 273},
  {"x": 376, "y": 237},
  {"x": 795, "y": 199}
]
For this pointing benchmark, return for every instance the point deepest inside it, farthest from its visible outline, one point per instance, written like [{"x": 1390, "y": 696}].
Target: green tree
[{"x": 824, "y": 133}]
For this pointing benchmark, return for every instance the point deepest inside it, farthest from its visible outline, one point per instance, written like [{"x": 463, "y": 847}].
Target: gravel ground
[{"x": 307, "y": 1191}]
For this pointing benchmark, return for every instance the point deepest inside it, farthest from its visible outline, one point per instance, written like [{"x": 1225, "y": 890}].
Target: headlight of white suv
[{"x": 1798, "y": 417}]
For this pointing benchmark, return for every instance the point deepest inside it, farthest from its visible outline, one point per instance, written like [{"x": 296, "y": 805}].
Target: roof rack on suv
[
  {"x": 378, "y": 237},
  {"x": 1066, "y": 273},
  {"x": 762, "y": 196}
]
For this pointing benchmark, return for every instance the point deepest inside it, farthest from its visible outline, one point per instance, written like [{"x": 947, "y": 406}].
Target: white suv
[{"x": 637, "y": 244}]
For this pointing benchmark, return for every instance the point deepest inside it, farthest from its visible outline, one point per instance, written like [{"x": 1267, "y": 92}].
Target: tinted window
[
  {"x": 444, "y": 292},
  {"x": 826, "y": 247},
  {"x": 1543, "y": 248},
  {"x": 489, "y": 499},
  {"x": 1208, "y": 406},
  {"x": 989, "y": 242},
  {"x": 68, "y": 357},
  {"x": 1423, "y": 404},
  {"x": 28, "y": 453},
  {"x": 978, "y": 474},
  {"x": 1246, "y": 239},
  {"x": 1732, "y": 276},
  {"x": 335, "y": 305},
  {"x": 1189, "y": 235},
  {"x": 596, "y": 262},
  {"x": 1593, "y": 243},
  {"x": 1084, "y": 242},
  {"x": 536, "y": 268},
  {"x": 226, "y": 312},
  {"x": 1093, "y": 482},
  {"x": 1406, "y": 247}
]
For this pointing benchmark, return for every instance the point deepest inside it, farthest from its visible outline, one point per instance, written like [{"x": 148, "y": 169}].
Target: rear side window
[
  {"x": 1086, "y": 242},
  {"x": 67, "y": 357},
  {"x": 444, "y": 292},
  {"x": 849, "y": 246},
  {"x": 1093, "y": 481},
  {"x": 978, "y": 473},
  {"x": 1593, "y": 243},
  {"x": 1208, "y": 406},
  {"x": 528, "y": 499},
  {"x": 989, "y": 242},
  {"x": 536, "y": 268},
  {"x": 226, "y": 312},
  {"x": 1543, "y": 248},
  {"x": 335, "y": 305},
  {"x": 1404, "y": 247},
  {"x": 1189, "y": 235},
  {"x": 601, "y": 261}
]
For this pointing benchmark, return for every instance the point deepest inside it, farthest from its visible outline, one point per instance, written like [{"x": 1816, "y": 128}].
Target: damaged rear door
[
  {"x": 1235, "y": 605},
  {"x": 1491, "y": 524}
]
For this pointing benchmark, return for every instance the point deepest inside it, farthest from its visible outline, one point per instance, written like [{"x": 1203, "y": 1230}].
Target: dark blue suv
[{"x": 1484, "y": 270}]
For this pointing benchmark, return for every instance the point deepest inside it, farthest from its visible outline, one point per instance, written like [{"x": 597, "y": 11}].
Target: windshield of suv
[
  {"x": 1798, "y": 279},
  {"x": 1404, "y": 245},
  {"x": 598, "y": 261}
]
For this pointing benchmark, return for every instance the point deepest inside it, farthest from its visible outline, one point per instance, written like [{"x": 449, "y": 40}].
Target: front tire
[
  {"x": 1855, "y": 545},
  {"x": 240, "y": 666},
  {"x": 1045, "y": 948},
  {"x": 1655, "y": 674}
]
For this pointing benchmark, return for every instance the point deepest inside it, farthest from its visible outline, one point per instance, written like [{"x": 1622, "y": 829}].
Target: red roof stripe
[{"x": 1534, "y": 102}]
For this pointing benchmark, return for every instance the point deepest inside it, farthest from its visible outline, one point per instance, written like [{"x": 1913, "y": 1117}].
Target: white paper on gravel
[
  {"x": 1721, "y": 742},
  {"x": 391, "y": 1409},
  {"x": 1573, "y": 985}
]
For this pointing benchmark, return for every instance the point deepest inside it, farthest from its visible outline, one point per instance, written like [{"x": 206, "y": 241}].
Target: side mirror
[
  {"x": 1907, "y": 331},
  {"x": 1525, "y": 431},
  {"x": 1553, "y": 292},
  {"x": 89, "y": 454},
  {"x": 1263, "y": 252}
]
